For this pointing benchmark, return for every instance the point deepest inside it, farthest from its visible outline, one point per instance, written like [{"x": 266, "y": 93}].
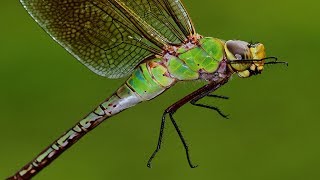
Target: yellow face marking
[
  {"x": 258, "y": 51},
  {"x": 244, "y": 74},
  {"x": 252, "y": 67},
  {"x": 260, "y": 68}
]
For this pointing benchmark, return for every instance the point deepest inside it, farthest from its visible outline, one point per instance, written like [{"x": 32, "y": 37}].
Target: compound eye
[{"x": 239, "y": 49}]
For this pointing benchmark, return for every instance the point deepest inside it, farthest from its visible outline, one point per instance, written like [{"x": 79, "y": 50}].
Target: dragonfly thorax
[{"x": 245, "y": 59}]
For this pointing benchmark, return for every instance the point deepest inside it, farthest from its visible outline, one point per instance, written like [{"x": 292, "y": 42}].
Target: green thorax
[
  {"x": 191, "y": 60},
  {"x": 186, "y": 62}
]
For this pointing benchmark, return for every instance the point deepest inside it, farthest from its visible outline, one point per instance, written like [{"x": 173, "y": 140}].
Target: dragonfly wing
[
  {"x": 168, "y": 17},
  {"x": 110, "y": 37},
  {"x": 180, "y": 16}
]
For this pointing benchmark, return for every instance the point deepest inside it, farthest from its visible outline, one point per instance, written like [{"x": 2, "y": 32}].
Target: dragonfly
[{"x": 151, "y": 42}]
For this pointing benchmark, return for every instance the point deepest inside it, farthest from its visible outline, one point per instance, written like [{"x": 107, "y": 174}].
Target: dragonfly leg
[
  {"x": 163, "y": 121},
  {"x": 185, "y": 145},
  {"x": 194, "y": 96},
  {"x": 218, "y": 96},
  {"x": 196, "y": 99}
]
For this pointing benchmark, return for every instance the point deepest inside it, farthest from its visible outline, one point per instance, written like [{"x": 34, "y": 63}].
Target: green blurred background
[{"x": 274, "y": 128}]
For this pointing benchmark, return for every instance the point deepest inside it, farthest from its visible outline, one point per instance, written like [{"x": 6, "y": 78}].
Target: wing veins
[
  {"x": 186, "y": 19},
  {"x": 111, "y": 36},
  {"x": 147, "y": 30}
]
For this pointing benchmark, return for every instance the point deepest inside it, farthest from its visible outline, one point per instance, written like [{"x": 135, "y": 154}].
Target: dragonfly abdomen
[
  {"x": 150, "y": 79},
  {"x": 122, "y": 99}
]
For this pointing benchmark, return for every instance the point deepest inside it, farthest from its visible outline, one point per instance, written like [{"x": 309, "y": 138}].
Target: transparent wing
[
  {"x": 111, "y": 37},
  {"x": 180, "y": 16},
  {"x": 167, "y": 17}
]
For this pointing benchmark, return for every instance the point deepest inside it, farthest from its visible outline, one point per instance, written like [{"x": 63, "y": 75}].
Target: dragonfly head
[{"x": 244, "y": 58}]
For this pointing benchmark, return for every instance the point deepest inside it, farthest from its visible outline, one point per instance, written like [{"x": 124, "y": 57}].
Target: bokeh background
[{"x": 273, "y": 131}]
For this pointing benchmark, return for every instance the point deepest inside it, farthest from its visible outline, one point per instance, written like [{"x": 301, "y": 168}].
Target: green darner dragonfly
[{"x": 154, "y": 43}]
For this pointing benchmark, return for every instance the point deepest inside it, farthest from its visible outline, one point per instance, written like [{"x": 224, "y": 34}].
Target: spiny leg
[
  {"x": 185, "y": 145},
  {"x": 163, "y": 122},
  {"x": 203, "y": 91},
  {"x": 196, "y": 99}
]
